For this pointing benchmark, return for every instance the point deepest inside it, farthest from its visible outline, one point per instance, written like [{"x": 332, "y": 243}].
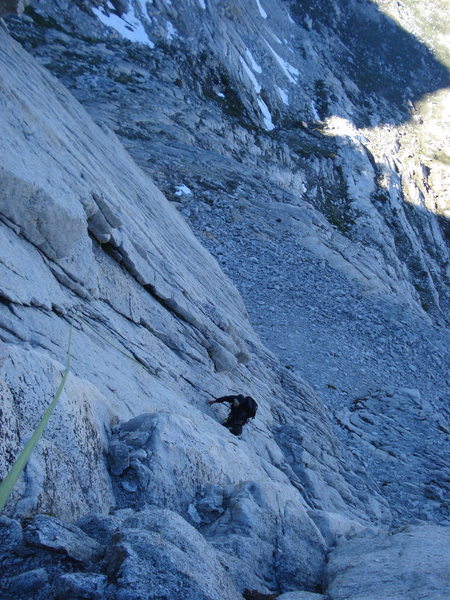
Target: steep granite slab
[{"x": 132, "y": 279}]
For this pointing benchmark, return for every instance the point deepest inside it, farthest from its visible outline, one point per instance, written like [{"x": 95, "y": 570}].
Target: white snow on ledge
[
  {"x": 171, "y": 32},
  {"x": 129, "y": 26},
  {"x": 250, "y": 74},
  {"x": 283, "y": 95},
  {"x": 253, "y": 62},
  {"x": 315, "y": 114},
  {"x": 268, "y": 123},
  {"x": 276, "y": 38},
  {"x": 262, "y": 12},
  {"x": 182, "y": 190},
  {"x": 291, "y": 72}
]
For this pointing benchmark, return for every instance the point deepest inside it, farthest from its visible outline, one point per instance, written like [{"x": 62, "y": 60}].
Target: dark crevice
[{"x": 5, "y": 300}]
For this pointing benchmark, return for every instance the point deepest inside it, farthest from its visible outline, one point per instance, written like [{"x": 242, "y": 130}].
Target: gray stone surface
[
  {"x": 82, "y": 585},
  {"x": 27, "y": 584},
  {"x": 325, "y": 223},
  {"x": 10, "y": 533},
  {"x": 246, "y": 529},
  {"x": 62, "y": 265},
  {"x": 314, "y": 186},
  {"x": 410, "y": 455},
  {"x": 412, "y": 564},
  {"x": 157, "y": 553},
  {"x": 335, "y": 526},
  {"x": 53, "y": 534},
  {"x": 235, "y": 505},
  {"x": 301, "y": 596}
]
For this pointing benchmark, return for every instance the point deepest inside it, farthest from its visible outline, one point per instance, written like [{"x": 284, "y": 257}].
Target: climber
[{"x": 242, "y": 409}]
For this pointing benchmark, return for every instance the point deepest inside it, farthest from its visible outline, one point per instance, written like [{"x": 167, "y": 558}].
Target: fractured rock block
[
  {"x": 90, "y": 586},
  {"x": 52, "y": 534},
  {"x": 155, "y": 553}
]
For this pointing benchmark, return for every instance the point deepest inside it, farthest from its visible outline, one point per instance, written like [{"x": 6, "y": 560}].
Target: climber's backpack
[{"x": 251, "y": 407}]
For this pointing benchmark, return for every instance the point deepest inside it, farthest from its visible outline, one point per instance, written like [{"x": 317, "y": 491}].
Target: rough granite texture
[{"x": 224, "y": 198}]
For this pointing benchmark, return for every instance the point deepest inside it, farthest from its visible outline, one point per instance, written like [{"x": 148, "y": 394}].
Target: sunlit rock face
[{"x": 207, "y": 180}]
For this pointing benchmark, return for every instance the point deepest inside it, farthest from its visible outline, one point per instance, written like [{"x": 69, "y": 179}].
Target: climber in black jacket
[{"x": 242, "y": 409}]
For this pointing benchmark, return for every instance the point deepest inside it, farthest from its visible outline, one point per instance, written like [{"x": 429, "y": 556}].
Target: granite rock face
[
  {"x": 412, "y": 563},
  {"x": 67, "y": 274},
  {"x": 144, "y": 326},
  {"x": 198, "y": 160},
  {"x": 280, "y": 90},
  {"x": 237, "y": 504},
  {"x": 419, "y": 433}
]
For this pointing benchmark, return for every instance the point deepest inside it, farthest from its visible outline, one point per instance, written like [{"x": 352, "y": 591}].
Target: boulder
[
  {"x": 89, "y": 586},
  {"x": 10, "y": 535},
  {"x": 51, "y": 533},
  {"x": 246, "y": 530},
  {"x": 155, "y": 553},
  {"x": 28, "y": 584},
  {"x": 216, "y": 482},
  {"x": 166, "y": 459}
]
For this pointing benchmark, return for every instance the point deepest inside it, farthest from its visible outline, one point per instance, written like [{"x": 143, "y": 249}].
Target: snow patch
[
  {"x": 315, "y": 114},
  {"x": 308, "y": 23},
  {"x": 171, "y": 31},
  {"x": 283, "y": 95},
  {"x": 202, "y": 4},
  {"x": 276, "y": 38},
  {"x": 182, "y": 190},
  {"x": 268, "y": 123},
  {"x": 254, "y": 65},
  {"x": 129, "y": 26},
  {"x": 291, "y": 72},
  {"x": 250, "y": 74},
  {"x": 262, "y": 12}
]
